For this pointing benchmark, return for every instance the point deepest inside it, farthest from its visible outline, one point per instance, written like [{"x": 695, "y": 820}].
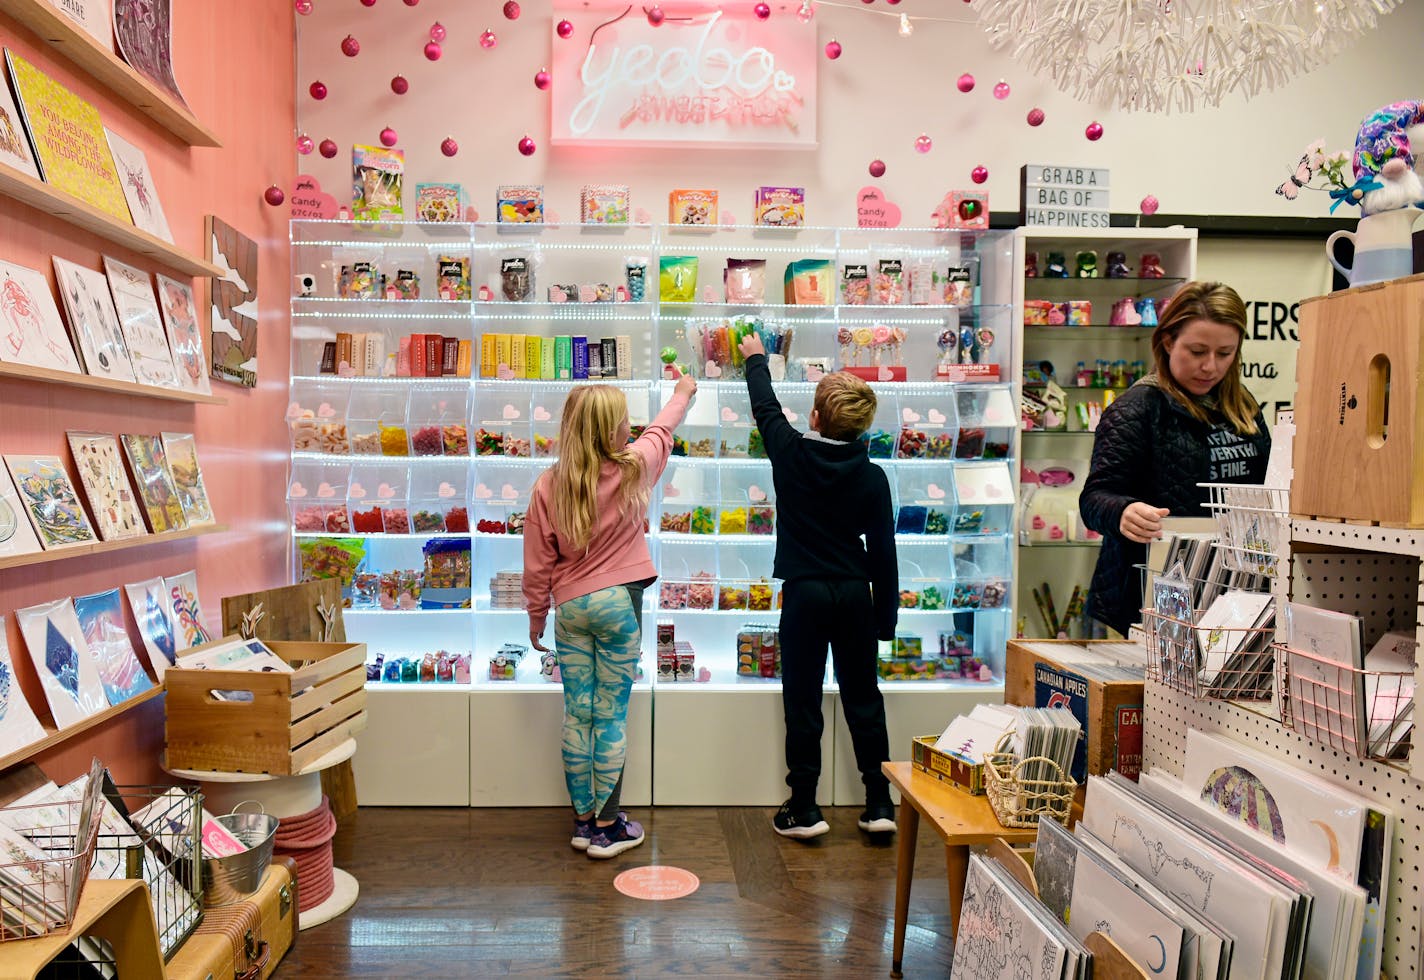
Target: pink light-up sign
[{"x": 703, "y": 78}]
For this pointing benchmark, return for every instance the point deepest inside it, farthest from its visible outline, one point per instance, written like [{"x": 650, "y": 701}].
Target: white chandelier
[{"x": 1166, "y": 55}]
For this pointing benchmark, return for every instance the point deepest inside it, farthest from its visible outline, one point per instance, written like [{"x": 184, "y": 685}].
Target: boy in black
[{"x": 838, "y": 589}]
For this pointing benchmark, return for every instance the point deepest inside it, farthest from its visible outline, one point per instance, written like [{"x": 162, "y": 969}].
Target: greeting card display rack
[{"x": 941, "y": 444}]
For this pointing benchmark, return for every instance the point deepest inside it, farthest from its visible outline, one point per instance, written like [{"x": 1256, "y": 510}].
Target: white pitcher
[{"x": 1383, "y": 247}]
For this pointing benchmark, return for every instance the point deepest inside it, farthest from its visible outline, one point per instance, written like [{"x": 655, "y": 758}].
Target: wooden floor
[{"x": 492, "y": 893}]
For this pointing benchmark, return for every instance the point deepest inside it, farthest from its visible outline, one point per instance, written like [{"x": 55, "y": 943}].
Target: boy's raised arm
[{"x": 777, "y": 434}]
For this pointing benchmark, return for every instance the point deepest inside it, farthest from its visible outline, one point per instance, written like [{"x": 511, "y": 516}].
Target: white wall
[{"x": 883, "y": 92}]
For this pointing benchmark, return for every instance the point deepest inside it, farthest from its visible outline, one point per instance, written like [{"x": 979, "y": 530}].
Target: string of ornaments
[{"x": 564, "y": 30}]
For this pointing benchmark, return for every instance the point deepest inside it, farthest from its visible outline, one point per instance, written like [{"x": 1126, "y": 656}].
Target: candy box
[
  {"x": 439, "y": 202},
  {"x": 604, "y": 204},
  {"x": 692, "y": 207},
  {"x": 520, "y": 204},
  {"x": 969, "y": 209},
  {"x": 783, "y": 207},
  {"x": 377, "y": 174}
]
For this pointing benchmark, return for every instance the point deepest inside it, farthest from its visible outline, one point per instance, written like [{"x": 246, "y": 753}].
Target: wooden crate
[
  {"x": 292, "y": 720},
  {"x": 1359, "y": 416}
]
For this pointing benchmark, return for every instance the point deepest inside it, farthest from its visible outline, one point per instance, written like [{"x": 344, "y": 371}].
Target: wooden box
[
  {"x": 292, "y": 720},
  {"x": 209, "y": 952},
  {"x": 1109, "y": 711},
  {"x": 946, "y": 767},
  {"x": 1359, "y": 435}
]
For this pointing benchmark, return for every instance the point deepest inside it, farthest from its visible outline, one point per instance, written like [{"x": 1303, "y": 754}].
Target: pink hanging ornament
[
  {"x": 304, "y": 7},
  {"x": 411, "y": 3},
  {"x": 511, "y": 10},
  {"x": 656, "y": 15},
  {"x": 1035, "y": 116},
  {"x": 833, "y": 49},
  {"x": 541, "y": 79},
  {"x": 389, "y": 137},
  {"x": 1094, "y": 131},
  {"x": 350, "y": 46},
  {"x": 966, "y": 82},
  {"x": 877, "y": 168},
  {"x": 979, "y": 174},
  {"x": 762, "y": 11},
  {"x": 1001, "y": 91},
  {"x": 399, "y": 85},
  {"x": 368, "y": 3},
  {"x": 327, "y": 148},
  {"x": 449, "y": 147},
  {"x": 488, "y": 40},
  {"x": 274, "y": 195},
  {"x": 1150, "y": 205},
  {"x": 527, "y": 147},
  {"x": 805, "y": 12},
  {"x": 317, "y": 90},
  {"x": 305, "y": 144},
  {"x": 433, "y": 51},
  {"x": 923, "y": 144},
  {"x": 565, "y": 29},
  {"x": 437, "y": 31}
]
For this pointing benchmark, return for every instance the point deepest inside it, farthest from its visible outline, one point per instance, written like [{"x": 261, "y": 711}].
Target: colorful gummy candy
[
  {"x": 909, "y": 599},
  {"x": 931, "y": 598},
  {"x": 761, "y": 519},
  {"x": 457, "y": 519},
  {"x": 427, "y": 441},
  {"x": 940, "y": 446},
  {"x": 427, "y": 520},
  {"x": 394, "y": 441},
  {"x": 396, "y": 520},
  {"x": 678, "y": 522},
  {"x": 672, "y": 595},
  {"x": 545, "y": 446},
  {"x": 515, "y": 524},
  {"x": 489, "y": 443},
  {"x": 913, "y": 443},
  {"x": 488, "y": 526},
  {"x": 367, "y": 521},
  {"x": 702, "y": 593},
  {"x": 309, "y": 519},
  {"x": 732, "y": 597},
  {"x": 936, "y": 522},
  {"x": 702, "y": 521},
  {"x": 733, "y": 520},
  {"x": 516, "y": 446},
  {"x": 756, "y": 448},
  {"x": 456, "y": 440},
  {"x": 759, "y": 596},
  {"x": 881, "y": 444}
]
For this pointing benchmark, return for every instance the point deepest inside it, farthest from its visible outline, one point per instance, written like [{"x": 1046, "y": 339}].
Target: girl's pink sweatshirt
[{"x": 617, "y": 552}]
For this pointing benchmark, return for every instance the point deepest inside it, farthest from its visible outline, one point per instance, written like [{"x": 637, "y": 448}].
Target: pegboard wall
[{"x": 1374, "y": 574}]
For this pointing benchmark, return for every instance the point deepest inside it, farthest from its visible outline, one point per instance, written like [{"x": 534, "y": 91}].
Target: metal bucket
[{"x": 229, "y": 879}]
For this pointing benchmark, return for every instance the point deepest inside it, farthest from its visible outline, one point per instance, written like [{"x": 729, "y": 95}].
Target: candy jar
[
  {"x": 1057, "y": 267},
  {"x": 1151, "y": 266},
  {"x": 1031, "y": 265},
  {"x": 1117, "y": 266},
  {"x": 1124, "y": 313},
  {"x": 1147, "y": 309},
  {"x": 1087, "y": 265}
]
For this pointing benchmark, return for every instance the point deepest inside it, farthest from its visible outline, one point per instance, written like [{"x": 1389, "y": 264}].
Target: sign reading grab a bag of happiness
[{"x": 704, "y": 77}]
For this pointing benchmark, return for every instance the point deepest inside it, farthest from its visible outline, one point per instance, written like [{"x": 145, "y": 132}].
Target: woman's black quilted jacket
[{"x": 1149, "y": 448}]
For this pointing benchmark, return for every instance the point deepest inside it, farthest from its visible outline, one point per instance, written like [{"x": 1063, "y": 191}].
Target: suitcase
[{"x": 245, "y": 940}]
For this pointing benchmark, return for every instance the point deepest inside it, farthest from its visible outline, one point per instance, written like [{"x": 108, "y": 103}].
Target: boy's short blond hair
[{"x": 845, "y": 406}]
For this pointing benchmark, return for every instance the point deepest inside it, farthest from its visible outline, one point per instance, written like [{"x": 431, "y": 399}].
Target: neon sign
[{"x": 706, "y": 79}]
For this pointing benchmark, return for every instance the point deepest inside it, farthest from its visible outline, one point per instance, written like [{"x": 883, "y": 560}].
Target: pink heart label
[
  {"x": 551, "y": 216},
  {"x": 358, "y": 492},
  {"x": 909, "y": 415},
  {"x": 1038, "y": 523},
  {"x": 936, "y": 416},
  {"x": 541, "y": 414},
  {"x": 385, "y": 491},
  {"x": 445, "y": 490},
  {"x": 308, "y": 200},
  {"x": 508, "y": 492},
  {"x": 672, "y": 491},
  {"x": 297, "y": 490},
  {"x": 346, "y": 370},
  {"x": 936, "y": 493},
  {"x": 884, "y": 374},
  {"x": 326, "y": 411},
  {"x": 1055, "y": 533},
  {"x": 709, "y": 295},
  {"x": 728, "y": 415},
  {"x": 472, "y": 214},
  {"x": 326, "y": 490},
  {"x": 712, "y": 370},
  {"x": 728, "y": 218},
  {"x": 642, "y": 217},
  {"x": 992, "y": 414},
  {"x": 790, "y": 415},
  {"x": 510, "y": 412},
  {"x": 874, "y": 210},
  {"x": 993, "y": 491},
  {"x": 755, "y": 493},
  {"x": 483, "y": 492},
  {"x": 294, "y": 410}
]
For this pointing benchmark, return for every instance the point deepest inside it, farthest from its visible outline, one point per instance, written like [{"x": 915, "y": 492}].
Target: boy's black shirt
[{"x": 827, "y": 496}]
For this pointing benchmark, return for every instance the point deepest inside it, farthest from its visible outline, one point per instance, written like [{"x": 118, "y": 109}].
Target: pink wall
[{"x": 234, "y": 63}]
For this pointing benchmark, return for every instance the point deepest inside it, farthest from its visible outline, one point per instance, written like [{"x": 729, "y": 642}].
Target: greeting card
[
  {"x": 182, "y": 451},
  {"x": 18, "y": 725},
  {"x": 62, "y": 659},
  {"x": 50, "y": 500},
  {"x": 188, "y": 629},
  {"x": 139, "y": 189},
  {"x": 155, "y": 483},
  {"x": 101, "y": 617},
  {"x": 93, "y": 16},
  {"x": 149, "y": 601},
  {"x": 145, "y": 32},
  {"x": 14, "y": 143},
  {"x": 17, "y": 537},
  {"x": 92, "y": 321},
  {"x": 185, "y": 340},
  {"x": 143, "y": 330},
  {"x": 100, "y": 466},
  {"x": 69, "y": 143},
  {"x": 31, "y": 331}
]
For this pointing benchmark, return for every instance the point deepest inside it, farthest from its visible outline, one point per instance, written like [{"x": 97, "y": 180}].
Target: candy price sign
[{"x": 711, "y": 79}]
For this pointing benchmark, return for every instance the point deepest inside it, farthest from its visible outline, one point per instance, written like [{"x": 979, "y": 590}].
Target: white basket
[{"x": 1254, "y": 522}]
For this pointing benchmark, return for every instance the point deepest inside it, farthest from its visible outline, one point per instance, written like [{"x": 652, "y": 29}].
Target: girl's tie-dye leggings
[{"x": 598, "y": 639}]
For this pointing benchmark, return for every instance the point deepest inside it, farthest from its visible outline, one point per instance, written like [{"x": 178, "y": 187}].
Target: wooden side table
[
  {"x": 118, "y": 911},
  {"x": 961, "y": 820}
]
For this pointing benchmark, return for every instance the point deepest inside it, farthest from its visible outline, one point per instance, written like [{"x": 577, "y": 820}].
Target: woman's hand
[
  {"x": 751, "y": 344},
  {"x": 534, "y": 641},
  {"x": 686, "y": 385},
  {"x": 1142, "y": 522}
]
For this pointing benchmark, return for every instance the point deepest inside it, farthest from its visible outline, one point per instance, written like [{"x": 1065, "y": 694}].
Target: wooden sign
[
  {"x": 1058, "y": 196},
  {"x": 288, "y": 613}
]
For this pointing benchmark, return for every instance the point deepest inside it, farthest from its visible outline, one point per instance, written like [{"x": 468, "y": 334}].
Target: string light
[{"x": 907, "y": 23}]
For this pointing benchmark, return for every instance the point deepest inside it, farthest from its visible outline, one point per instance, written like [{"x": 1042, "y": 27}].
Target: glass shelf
[
  {"x": 1130, "y": 334},
  {"x": 1041, "y": 287}
]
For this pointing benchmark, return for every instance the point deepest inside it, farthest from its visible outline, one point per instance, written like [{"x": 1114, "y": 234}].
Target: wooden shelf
[
  {"x": 27, "y": 752},
  {"x": 71, "y": 42},
  {"x": 102, "y": 547},
  {"x": 25, "y": 372},
  {"x": 71, "y": 210}
]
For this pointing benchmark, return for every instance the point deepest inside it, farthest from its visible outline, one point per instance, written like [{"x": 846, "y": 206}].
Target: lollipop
[
  {"x": 880, "y": 337},
  {"x": 897, "y": 340},
  {"x": 862, "y": 337},
  {"x": 966, "y": 345}
]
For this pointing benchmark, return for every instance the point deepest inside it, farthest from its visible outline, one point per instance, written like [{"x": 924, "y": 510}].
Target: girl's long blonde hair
[
  {"x": 587, "y": 436},
  {"x": 1217, "y": 303}
]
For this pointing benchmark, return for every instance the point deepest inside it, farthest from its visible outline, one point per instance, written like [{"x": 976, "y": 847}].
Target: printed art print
[
  {"x": 93, "y": 321},
  {"x": 17, "y": 537},
  {"x": 101, "y": 617},
  {"x": 155, "y": 483},
  {"x": 49, "y": 498},
  {"x": 100, "y": 466},
  {"x": 31, "y": 331},
  {"x": 14, "y": 142},
  {"x": 143, "y": 328},
  {"x": 63, "y": 660},
  {"x": 185, "y": 338},
  {"x": 92, "y": 15},
  {"x": 232, "y": 343},
  {"x": 145, "y": 32},
  {"x": 182, "y": 452},
  {"x": 149, "y": 601},
  {"x": 18, "y": 725},
  {"x": 139, "y": 189},
  {"x": 188, "y": 629}
]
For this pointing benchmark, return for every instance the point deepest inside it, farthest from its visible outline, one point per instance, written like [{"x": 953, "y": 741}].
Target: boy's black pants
[{"x": 835, "y": 612}]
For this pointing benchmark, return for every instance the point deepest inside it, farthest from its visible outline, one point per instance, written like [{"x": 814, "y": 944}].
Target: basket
[
  {"x": 165, "y": 850},
  {"x": 44, "y": 863},
  {"x": 1254, "y": 522},
  {"x": 1239, "y": 669},
  {"x": 1367, "y": 713},
  {"x": 229, "y": 879},
  {"x": 1021, "y": 791}
]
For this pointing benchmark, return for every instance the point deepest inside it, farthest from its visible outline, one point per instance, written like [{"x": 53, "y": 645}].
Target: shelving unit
[
  {"x": 491, "y": 487},
  {"x": 1056, "y": 508},
  {"x": 104, "y": 547},
  {"x": 69, "y": 379},
  {"x": 78, "y": 728}
]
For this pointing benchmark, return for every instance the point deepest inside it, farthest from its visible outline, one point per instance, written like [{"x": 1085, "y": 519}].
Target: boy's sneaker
[
  {"x": 801, "y": 824},
  {"x": 583, "y": 832},
  {"x": 621, "y": 835},
  {"x": 878, "y": 818}
]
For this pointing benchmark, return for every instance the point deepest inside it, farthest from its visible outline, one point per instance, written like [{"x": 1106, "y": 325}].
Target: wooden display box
[
  {"x": 1359, "y": 434},
  {"x": 291, "y": 721},
  {"x": 1109, "y": 711},
  {"x": 945, "y": 767}
]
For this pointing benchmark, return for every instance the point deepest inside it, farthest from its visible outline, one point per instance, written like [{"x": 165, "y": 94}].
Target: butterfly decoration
[{"x": 1304, "y": 170}]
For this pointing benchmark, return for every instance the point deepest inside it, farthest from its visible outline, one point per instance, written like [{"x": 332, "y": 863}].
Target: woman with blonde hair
[
  {"x": 584, "y": 544},
  {"x": 1188, "y": 422}
]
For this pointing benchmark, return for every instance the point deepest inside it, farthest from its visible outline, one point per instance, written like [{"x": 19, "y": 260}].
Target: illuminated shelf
[
  {"x": 104, "y": 547},
  {"x": 25, "y": 372},
  {"x": 1132, "y": 334}
]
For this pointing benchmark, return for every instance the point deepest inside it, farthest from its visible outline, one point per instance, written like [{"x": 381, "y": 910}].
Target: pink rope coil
[{"x": 306, "y": 839}]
